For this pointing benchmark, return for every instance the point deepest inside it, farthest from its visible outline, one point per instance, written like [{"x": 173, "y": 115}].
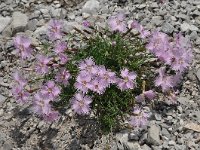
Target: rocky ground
[{"x": 20, "y": 130}]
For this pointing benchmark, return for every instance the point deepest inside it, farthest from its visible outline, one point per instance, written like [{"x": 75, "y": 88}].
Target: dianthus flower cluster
[
  {"x": 91, "y": 79},
  {"x": 42, "y": 97},
  {"x": 41, "y": 102},
  {"x": 97, "y": 78},
  {"x": 177, "y": 54}
]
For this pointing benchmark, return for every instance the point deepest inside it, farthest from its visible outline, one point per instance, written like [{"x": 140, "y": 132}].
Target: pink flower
[
  {"x": 107, "y": 75},
  {"x": 23, "y": 46},
  {"x": 163, "y": 80},
  {"x": 18, "y": 91},
  {"x": 19, "y": 79},
  {"x": 86, "y": 23},
  {"x": 60, "y": 47},
  {"x": 50, "y": 90},
  {"x": 51, "y": 116},
  {"x": 128, "y": 81},
  {"x": 97, "y": 86},
  {"x": 176, "y": 79},
  {"x": 63, "y": 58},
  {"x": 87, "y": 65},
  {"x": 42, "y": 107},
  {"x": 140, "y": 98},
  {"x": 139, "y": 117},
  {"x": 181, "y": 53},
  {"x": 82, "y": 82},
  {"x": 93, "y": 77},
  {"x": 41, "y": 104},
  {"x": 81, "y": 104},
  {"x": 179, "y": 62},
  {"x": 171, "y": 98},
  {"x": 42, "y": 64},
  {"x": 143, "y": 33},
  {"x": 178, "y": 53},
  {"x": 117, "y": 23},
  {"x": 158, "y": 43},
  {"x": 20, "y": 94},
  {"x": 94, "y": 70},
  {"x": 55, "y": 30},
  {"x": 63, "y": 76},
  {"x": 150, "y": 95},
  {"x": 136, "y": 110},
  {"x": 164, "y": 55}
]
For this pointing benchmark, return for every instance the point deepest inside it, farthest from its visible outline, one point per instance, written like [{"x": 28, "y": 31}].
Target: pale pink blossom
[
  {"x": 97, "y": 86},
  {"x": 117, "y": 23},
  {"x": 42, "y": 64},
  {"x": 63, "y": 76},
  {"x": 128, "y": 80},
  {"x": 158, "y": 42},
  {"x": 87, "y": 64},
  {"x": 20, "y": 94},
  {"x": 50, "y": 90},
  {"x": 81, "y": 104},
  {"x": 63, "y": 58},
  {"x": 86, "y": 23},
  {"x": 181, "y": 53},
  {"x": 107, "y": 75},
  {"x": 82, "y": 82},
  {"x": 51, "y": 116},
  {"x": 41, "y": 104},
  {"x": 143, "y": 33},
  {"x": 19, "y": 79},
  {"x": 163, "y": 80},
  {"x": 149, "y": 95},
  {"x": 55, "y": 29},
  {"x": 23, "y": 46},
  {"x": 139, "y": 117},
  {"x": 43, "y": 108},
  {"x": 60, "y": 47}
]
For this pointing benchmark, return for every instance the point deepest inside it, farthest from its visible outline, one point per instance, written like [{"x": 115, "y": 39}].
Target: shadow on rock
[
  {"x": 49, "y": 134},
  {"x": 23, "y": 131},
  {"x": 86, "y": 133},
  {"x": 22, "y": 116}
]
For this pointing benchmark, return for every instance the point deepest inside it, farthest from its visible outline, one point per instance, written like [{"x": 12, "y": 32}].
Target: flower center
[
  {"x": 126, "y": 79},
  {"x": 21, "y": 47},
  {"x": 81, "y": 103},
  {"x": 50, "y": 90}
]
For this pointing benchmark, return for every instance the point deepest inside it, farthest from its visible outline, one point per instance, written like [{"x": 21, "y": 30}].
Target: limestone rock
[
  {"x": 19, "y": 22},
  {"x": 4, "y": 21},
  {"x": 185, "y": 26},
  {"x": 91, "y": 6},
  {"x": 2, "y": 99},
  {"x": 198, "y": 74},
  {"x": 123, "y": 143},
  {"x": 167, "y": 28},
  {"x": 154, "y": 135}
]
